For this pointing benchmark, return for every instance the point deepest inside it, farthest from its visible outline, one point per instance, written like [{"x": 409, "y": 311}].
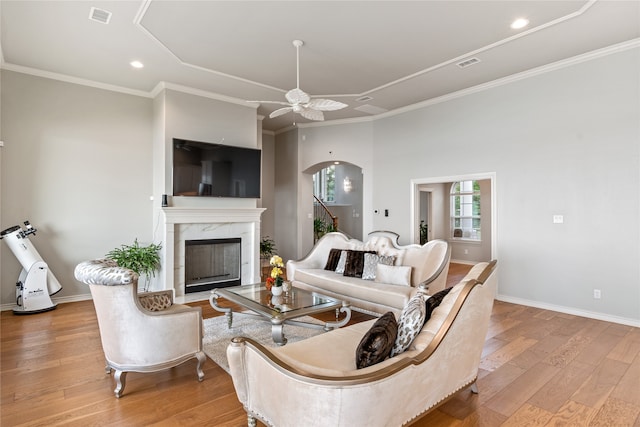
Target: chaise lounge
[{"x": 315, "y": 382}]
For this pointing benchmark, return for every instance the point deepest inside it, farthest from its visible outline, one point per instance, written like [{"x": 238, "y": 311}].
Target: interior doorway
[
  {"x": 424, "y": 215},
  {"x": 431, "y": 205},
  {"x": 338, "y": 187}
]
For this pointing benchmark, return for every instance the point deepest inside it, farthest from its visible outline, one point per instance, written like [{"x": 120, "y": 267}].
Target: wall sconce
[{"x": 347, "y": 185}]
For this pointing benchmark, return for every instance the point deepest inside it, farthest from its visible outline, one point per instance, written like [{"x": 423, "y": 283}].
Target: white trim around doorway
[{"x": 415, "y": 194}]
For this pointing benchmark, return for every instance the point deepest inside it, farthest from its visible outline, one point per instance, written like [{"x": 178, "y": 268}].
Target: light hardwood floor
[{"x": 539, "y": 368}]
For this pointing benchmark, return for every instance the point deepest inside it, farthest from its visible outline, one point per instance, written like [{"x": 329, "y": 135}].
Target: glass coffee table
[{"x": 280, "y": 310}]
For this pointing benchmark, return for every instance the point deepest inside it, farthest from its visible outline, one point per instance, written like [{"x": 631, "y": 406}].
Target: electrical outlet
[{"x": 596, "y": 294}]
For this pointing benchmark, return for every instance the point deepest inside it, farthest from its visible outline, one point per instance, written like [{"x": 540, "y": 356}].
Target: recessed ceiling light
[
  {"x": 136, "y": 64},
  {"x": 519, "y": 23}
]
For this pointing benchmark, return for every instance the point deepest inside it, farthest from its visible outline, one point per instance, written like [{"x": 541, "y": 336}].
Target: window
[
  {"x": 465, "y": 210},
  {"x": 324, "y": 184}
]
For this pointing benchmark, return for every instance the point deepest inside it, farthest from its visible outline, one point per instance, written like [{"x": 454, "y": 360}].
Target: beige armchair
[{"x": 140, "y": 332}]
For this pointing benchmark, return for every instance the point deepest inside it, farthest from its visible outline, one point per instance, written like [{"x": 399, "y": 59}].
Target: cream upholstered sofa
[
  {"x": 416, "y": 265},
  {"x": 315, "y": 382},
  {"x": 140, "y": 332}
]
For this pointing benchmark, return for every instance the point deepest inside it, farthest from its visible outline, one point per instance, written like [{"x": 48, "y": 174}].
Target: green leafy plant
[
  {"x": 267, "y": 247},
  {"x": 144, "y": 260}
]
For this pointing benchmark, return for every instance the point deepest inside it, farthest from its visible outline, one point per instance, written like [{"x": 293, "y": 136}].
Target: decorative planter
[{"x": 276, "y": 290}]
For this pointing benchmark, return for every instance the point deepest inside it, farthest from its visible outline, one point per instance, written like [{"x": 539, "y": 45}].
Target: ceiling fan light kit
[{"x": 299, "y": 102}]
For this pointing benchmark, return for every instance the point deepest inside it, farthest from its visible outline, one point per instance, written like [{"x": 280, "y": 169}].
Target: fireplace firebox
[{"x": 212, "y": 263}]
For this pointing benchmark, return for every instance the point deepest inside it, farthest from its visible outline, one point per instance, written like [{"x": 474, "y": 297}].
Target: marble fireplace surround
[{"x": 182, "y": 224}]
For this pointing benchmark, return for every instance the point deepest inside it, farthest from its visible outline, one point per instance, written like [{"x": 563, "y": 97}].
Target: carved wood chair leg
[
  {"x": 120, "y": 378},
  {"x": 201, "y": 359}
]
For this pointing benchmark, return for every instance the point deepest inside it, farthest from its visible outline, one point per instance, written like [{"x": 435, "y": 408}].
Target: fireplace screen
[{"x": 212, "y": 263}]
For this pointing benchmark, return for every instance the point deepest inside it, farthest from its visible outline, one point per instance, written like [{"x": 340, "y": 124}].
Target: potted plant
[
  {"x": 267, "y": 247},
  {"x": 144, "y": 260}
]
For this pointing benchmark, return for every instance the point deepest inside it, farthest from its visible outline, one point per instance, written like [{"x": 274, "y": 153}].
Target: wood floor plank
[
  {"x": 561, "y": 387},
  {"x": 628, "y": 388},
  {"x": 510, "y": 398},
  {"x": 616, "y": 412},
  {"x": 528, "y": 416},
  {"x": 596, "y": 389},
  {"x": 627, "y": 349},
  {"x": 506, "y": 353},
  {"x": 572, "y": 414}
]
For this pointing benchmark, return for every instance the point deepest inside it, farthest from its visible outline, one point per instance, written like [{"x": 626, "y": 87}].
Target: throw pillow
[
  {"x": 332, "y": 260},
  {"x": 341, "y": 262},
  {"x": 376, "y": 344},
  {"x": 355, "y": 263},
  {"x": 434, "y": 301},
  {"x": 409, "y": 324},
  {"x": 393, "y": 274},
  {"x": 371, "y": 262}
]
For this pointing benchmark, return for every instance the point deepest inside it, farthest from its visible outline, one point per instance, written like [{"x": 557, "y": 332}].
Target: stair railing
[{"x": 323, "y": 220}]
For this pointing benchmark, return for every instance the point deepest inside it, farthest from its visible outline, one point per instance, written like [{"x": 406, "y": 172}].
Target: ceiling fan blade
[
  {"x": 325, "y": 105},
  {"x": 310, "y": 114},
  {"x": 280, "y": 112},
  {"x": 297, "y": 96},
  {"x": 271, "y": 102}
]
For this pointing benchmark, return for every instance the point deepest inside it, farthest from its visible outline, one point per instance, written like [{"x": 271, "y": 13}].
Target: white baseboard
[
  {"x": 570, "y": 310},
  {"x": 55, "y": 300}
]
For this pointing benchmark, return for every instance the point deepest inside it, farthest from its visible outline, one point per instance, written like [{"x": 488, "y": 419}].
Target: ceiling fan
[{"x": 300, "y": 102}]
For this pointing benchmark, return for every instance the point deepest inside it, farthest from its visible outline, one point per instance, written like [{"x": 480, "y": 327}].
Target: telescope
[{"x": 36, "y": 282}]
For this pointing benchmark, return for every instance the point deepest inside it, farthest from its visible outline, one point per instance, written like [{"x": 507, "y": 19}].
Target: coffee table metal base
[{"x": 277, "y": 324}]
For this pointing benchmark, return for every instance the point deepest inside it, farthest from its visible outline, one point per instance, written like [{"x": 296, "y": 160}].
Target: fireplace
[
  {"x": 199, "y": 223},
  {"x": 211, "y": 263}
]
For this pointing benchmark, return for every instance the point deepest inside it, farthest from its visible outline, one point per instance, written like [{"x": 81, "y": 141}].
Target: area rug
[{"x": 217, "y": 336}]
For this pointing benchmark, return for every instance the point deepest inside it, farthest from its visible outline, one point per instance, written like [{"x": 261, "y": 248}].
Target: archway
[{"x": 339, "y": 186}]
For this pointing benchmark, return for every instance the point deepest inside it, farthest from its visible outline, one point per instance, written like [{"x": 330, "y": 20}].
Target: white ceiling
[{"x": 397, "y": 52}]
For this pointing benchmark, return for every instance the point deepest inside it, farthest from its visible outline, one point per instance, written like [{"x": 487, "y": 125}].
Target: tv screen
[{"x": 215, "y": 170}]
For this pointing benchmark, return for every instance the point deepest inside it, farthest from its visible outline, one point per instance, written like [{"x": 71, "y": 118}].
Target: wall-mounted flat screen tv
[{"x": 215, "y": 170}]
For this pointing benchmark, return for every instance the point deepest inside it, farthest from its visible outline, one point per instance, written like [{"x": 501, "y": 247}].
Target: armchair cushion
[{"x": 377, "y": 343}]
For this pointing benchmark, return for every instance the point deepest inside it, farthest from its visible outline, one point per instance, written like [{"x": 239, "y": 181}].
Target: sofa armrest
[{"x": 438, "y": 280}]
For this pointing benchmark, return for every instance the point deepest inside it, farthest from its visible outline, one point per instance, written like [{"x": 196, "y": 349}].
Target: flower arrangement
[{"x": 276, "y": 272}]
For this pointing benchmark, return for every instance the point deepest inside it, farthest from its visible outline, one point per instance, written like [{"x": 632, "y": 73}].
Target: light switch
[{"x": 558, "y": 219}]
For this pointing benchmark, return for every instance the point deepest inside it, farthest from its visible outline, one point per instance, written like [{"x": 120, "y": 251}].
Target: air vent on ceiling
[
  {"x": 364, "y": 98},
  {"x": 468, "y": 62},
  {"x": 99, "y": 15}
]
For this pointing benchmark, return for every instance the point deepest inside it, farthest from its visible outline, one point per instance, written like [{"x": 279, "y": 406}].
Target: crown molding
[
  {"x": 71, "y": 79},
  {"x": 199, "y": 92}
]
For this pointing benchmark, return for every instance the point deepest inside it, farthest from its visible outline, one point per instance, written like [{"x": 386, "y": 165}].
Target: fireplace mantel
[
  {"x": 211, "y": 215},
  {"x": 180, "y": 224}
]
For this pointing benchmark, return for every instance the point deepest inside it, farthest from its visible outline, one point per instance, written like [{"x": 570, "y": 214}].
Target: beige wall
[{"x": 76, "y": 163}]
